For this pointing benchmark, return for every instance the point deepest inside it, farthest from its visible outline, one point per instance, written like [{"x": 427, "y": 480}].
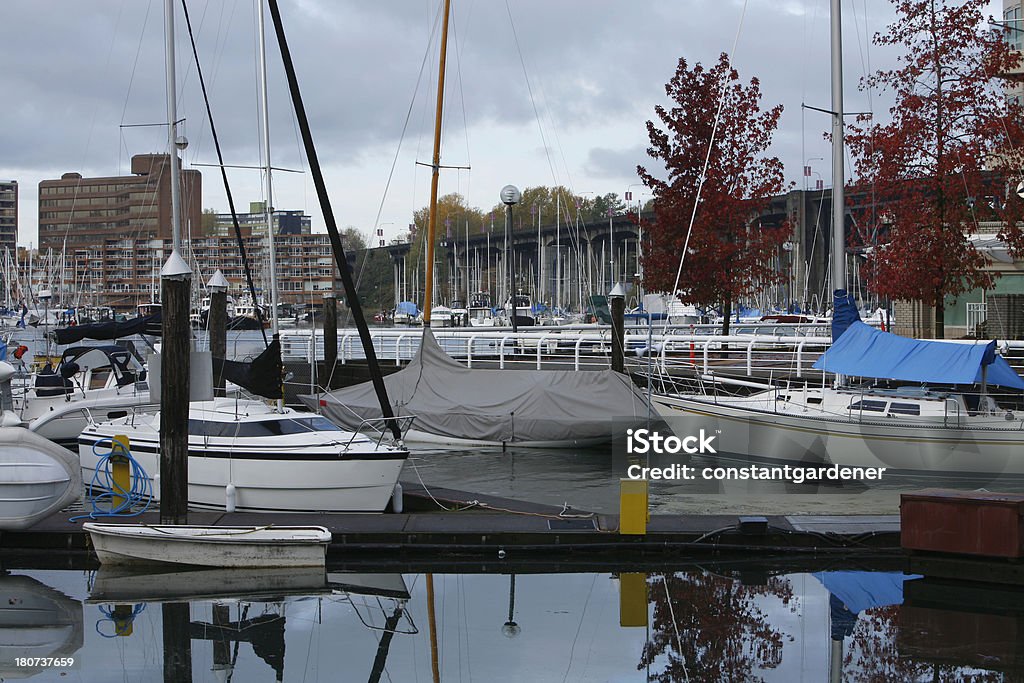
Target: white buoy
[
  {"x": 229, "y": 498},
  {"x": 396, "y": 498}
]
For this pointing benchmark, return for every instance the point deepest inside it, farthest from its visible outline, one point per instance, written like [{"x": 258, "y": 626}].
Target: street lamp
[{"x": 510, "y": 196}]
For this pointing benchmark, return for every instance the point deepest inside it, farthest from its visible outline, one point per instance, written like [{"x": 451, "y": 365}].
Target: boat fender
[
  {"x": 396, "y": 498},
  {"x": 230, "y": 498}
]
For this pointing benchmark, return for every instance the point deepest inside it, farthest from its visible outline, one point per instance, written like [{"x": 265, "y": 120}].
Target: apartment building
[
  {"x": 77, "y": 212},
  {"x": 8, "y": 215}
]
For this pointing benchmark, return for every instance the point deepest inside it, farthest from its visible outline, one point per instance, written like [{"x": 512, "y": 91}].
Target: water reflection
[
  {"x": 36, "y": 621},
  {"x": 712, "y": 623}
]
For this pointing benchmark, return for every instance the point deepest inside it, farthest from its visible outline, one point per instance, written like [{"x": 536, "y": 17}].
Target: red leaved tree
[
  {"x": 709, "y": 628},
  {"x": 928, "y": 167},
  {"x": 729, "y": 252}
]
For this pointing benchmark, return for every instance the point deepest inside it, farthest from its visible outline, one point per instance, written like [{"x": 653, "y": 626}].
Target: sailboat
[
  {"x": 245, "y": 455},
  {"x": 935, "y": 427},
  {"x": 457, "y": 405}
]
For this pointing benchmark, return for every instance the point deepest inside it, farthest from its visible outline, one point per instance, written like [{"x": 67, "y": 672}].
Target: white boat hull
[
  {"x": 127, "y": 544},
  {"x": 929, "y": 448},
  {"x": 37, "y": 478},
  {"x": 267, "y": 480}
]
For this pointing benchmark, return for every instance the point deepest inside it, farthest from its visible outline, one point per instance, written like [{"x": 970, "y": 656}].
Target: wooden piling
[
  {"x": 174, "y": 398},
  {"x": 617, "y": 304},
  {"x": 217, "y": 326},
  {"x": 330, "y": 334}
]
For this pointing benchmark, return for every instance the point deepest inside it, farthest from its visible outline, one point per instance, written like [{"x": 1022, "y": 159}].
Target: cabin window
[
  {"x": 814, "y": 400},
  {"x": 904, "y": 409},
  {"x": 98, "y": 378},
  {"x": 868, "y": 405},
  {"x": 298, "y": 425}
]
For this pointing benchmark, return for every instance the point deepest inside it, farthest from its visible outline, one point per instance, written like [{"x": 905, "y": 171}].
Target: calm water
[{"x": 693, "y": 624}]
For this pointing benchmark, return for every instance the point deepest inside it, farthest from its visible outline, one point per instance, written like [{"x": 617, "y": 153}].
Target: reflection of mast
[
  {"x": 432, "y": 621},
  {"x": 385, "y": 643},
  {"x": 265, "y": 633}
]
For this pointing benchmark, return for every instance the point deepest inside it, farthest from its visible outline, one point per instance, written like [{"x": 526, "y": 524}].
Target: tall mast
[
  {"x": 268, "y": 207},
  {"x": 436, "y": 167},
  {"x": 838, "y": 198}
]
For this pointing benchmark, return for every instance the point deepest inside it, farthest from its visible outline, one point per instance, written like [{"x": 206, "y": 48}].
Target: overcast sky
[{"x": 539, "y": 92}]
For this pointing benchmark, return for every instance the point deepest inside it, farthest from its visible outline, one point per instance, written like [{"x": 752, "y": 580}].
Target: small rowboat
[{"x": 210, "y": 546}]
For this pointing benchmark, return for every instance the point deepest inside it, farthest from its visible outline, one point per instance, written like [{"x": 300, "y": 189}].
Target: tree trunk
[{"x": 940, "y": 318}]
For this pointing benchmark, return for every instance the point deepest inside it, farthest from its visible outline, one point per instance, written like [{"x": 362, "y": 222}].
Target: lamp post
[
  {"x": 639, "y": 236},
  {"x": 510, "y": 196}
]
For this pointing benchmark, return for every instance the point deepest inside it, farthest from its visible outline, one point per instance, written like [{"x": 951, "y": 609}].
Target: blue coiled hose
[{"x": 140, "y": 490}]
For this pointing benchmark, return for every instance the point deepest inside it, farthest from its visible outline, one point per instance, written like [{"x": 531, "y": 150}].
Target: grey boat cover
[{"x": 501, "y": 406}]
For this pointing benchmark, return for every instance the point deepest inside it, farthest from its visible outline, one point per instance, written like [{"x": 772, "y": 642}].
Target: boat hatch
[
  {"x": 896, "y": 408},
  {"x": 868, "y": 404}
]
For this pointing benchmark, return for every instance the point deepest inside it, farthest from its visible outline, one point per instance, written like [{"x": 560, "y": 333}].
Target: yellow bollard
[
  {"x": 633, "y": 513},
  {"x": 632, "y": 599},
  {"x": 123, "y": 617},
  {"x": 121, "y": 470}
]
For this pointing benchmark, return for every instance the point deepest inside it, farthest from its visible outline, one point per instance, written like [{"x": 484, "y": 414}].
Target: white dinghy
[
  {"x": 206, "y": 546},
  {"x": 37, "y": 477}
]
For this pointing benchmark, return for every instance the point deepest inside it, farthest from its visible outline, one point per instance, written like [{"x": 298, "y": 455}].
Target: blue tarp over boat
[
  {"x": 863, "y": 351},
  {"x": 407, "y": 307}
]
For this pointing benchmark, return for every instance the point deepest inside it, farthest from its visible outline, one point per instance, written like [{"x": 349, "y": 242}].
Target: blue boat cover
[
  {"x": 844, "y": 312},
  {"x": 407, "y": 307},
  {"x": 863, "y": 351},
  {"x": 859, "y": 591}
]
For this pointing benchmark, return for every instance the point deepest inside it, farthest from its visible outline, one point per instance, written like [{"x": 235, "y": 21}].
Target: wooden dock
[{"x": 478, "y": 528}]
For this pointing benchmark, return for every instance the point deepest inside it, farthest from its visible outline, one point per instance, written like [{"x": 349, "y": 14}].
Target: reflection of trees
[
  {"x": 723, "y": 632},
  {"x": 873, "y": 655}
]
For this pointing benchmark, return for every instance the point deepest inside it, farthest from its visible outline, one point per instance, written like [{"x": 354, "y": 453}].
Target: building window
[{"x": 1014, "y": 28}]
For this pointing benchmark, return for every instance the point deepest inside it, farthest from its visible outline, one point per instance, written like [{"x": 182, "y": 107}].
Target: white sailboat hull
[
  {"x": 899, "y": 446},
  {"x": 121, "y": 544},
  {"x": 265, "y": 480}
]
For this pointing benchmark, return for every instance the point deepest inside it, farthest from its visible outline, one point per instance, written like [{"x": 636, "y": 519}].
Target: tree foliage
[
  {"x": 950, "y": 123},
  {"x": 729, "y": 252}
]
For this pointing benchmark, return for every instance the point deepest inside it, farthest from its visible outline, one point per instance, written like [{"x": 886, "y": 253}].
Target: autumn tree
[
  {"x": 729, "y": 252},
  {"x": 950, "y": 123}
]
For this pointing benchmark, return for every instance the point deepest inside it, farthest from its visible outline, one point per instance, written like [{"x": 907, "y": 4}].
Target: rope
[{"x": 140, "y": 492}]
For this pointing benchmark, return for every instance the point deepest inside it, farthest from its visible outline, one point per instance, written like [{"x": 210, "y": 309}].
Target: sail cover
[
  {"x": 452, "y": 401},
  {"x": 863, "y": 351},
  {"x": 262, "y": 375},
  {"x": 844, "y": 312},
  {"x": 109, "y": 330}
]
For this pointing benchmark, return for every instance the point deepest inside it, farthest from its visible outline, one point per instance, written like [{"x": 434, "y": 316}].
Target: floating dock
[{"x": 479, "y": 527}]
